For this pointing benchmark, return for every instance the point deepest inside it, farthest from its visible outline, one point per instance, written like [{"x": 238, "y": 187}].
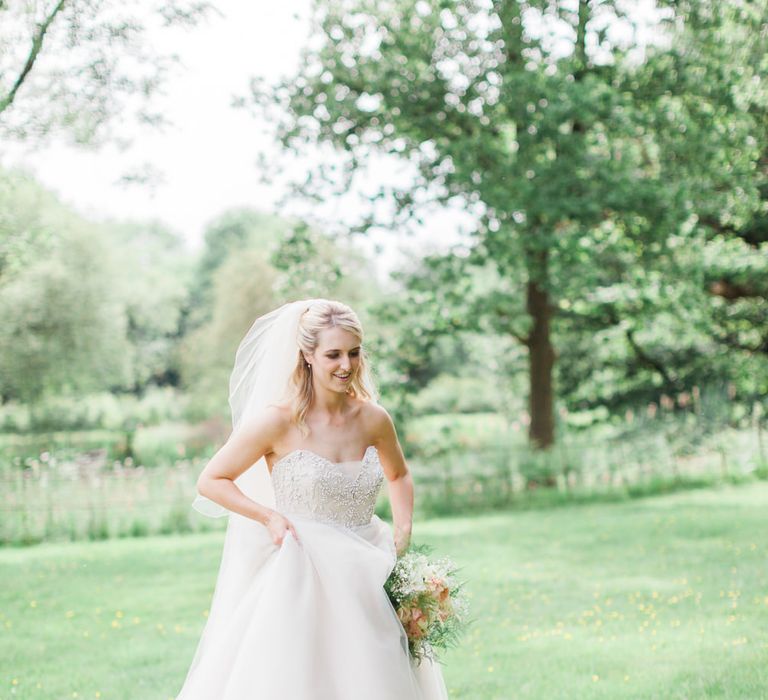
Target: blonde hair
[{"x": 323, "y": 314}]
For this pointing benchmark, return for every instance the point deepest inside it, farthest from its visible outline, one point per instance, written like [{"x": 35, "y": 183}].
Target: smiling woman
[
  {"x": 330, "y": 342},
  {"x": 300, "y": 610}
]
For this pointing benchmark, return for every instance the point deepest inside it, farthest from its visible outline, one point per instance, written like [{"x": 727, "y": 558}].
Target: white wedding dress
[{"x": 313, "y": 621}]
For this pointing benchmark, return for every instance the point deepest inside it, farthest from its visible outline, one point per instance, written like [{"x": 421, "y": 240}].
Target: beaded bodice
[{"x": 312, "y": 486}]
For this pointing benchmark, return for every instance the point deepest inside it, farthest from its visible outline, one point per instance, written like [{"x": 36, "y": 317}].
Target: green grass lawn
[{"x": 665, "y": 597}]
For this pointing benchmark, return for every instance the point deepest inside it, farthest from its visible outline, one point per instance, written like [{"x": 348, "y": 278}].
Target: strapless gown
[{"x": 315, "y": 622}]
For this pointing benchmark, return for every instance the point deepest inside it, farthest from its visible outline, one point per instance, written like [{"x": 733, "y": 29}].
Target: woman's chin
[{"x": 338, "y": 387}]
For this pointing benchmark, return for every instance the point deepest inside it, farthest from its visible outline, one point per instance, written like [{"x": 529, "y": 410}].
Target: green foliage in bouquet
[{"x": 429, "y": 601}]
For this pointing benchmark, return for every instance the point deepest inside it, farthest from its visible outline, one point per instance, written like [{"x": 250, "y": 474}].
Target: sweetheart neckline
[{"x": 325, "y": 459}]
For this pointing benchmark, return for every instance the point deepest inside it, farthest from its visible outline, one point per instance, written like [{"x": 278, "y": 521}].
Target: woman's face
[{"x": 336, "y": 359}]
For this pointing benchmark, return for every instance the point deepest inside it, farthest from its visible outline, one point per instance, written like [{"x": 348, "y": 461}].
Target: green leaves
[
  {"x": 79, "y": 67},
  {"x": 598, "y": 177}
]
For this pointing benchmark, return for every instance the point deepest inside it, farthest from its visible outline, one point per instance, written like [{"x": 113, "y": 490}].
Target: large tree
[{"x": 539, "y": 120}]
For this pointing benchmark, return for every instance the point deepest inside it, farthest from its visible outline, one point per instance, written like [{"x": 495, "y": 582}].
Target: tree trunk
[{"x": 541, "y": 359}]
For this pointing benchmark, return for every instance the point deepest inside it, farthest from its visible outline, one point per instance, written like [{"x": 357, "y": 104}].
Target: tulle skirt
[{"x": 314, "y": 623}]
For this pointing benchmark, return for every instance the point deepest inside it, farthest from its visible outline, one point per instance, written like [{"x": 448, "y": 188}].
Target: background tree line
[
  {"x": 123, "y": 307},
  {"x": 619, "y": 191}
]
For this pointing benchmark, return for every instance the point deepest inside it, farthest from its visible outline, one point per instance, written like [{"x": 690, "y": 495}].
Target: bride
[{"x": 299, "y": 611}]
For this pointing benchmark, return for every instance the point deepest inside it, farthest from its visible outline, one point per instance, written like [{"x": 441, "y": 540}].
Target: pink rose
[
  {"x": 434, "y": 584},
  {"x": 414, "y": 630}
]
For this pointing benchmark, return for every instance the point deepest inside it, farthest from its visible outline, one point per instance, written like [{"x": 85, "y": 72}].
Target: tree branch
[
  {"x": 580, "y": 49},
  {"x": 643, "y": 356},
  {"x": 648, "y": 360},
  {"x": 505, "y": 320},
  {"x": 37, "y": 45},
  {"x": 732, "y": 290}
]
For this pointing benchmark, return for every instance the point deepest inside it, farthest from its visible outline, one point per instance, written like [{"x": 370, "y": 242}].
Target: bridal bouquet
[{"x": 428, "y": 600}]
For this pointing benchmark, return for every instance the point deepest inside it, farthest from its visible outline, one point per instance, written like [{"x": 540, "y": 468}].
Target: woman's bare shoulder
[
  {"x": 272, "y": 420},
  {"x": 279, "y": 411},
  {"x": 376, "y": 417}
]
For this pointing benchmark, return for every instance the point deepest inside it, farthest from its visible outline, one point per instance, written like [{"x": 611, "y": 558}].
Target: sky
[{"x": 207, "y": 158}]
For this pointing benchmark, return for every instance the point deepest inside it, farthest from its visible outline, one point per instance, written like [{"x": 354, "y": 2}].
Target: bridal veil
[{"x": 264, "y": 362}]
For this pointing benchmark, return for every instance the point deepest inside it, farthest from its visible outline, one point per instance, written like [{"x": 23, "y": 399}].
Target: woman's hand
[
  {"x": 402, "y": 538},
  {"x": 278, "y": 525}
]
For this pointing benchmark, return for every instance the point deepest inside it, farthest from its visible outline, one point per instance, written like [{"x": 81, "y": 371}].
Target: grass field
[{"x": 665, "y": 597}]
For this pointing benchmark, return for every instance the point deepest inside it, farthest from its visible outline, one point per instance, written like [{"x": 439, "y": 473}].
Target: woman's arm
[
  {"x": 245, "y": 446},
  {"x": 398, "y": 476},
  {"x": 401, "y": 497}
]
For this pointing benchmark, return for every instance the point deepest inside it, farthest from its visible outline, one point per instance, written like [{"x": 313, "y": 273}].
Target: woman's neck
[{"x": 331, "y": 403}]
